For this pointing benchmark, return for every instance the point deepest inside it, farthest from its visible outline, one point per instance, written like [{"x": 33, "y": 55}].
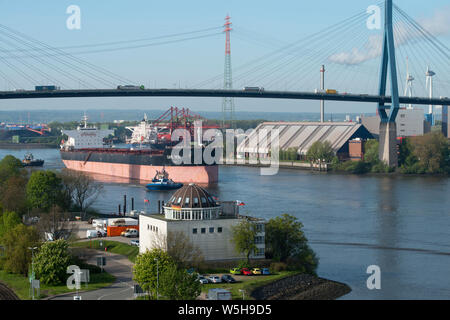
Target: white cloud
[{"x": 438, "y": 25}]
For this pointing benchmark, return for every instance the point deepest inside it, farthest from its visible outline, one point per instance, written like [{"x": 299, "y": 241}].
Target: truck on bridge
[
  {"x": 130, "y": 87},
  {"x": 47, "y": 88},
  {"x": 253, "y": 89}
]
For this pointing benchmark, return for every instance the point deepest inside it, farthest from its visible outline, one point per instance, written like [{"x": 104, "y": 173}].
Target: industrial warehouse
[{"x": 301, "y": 136}]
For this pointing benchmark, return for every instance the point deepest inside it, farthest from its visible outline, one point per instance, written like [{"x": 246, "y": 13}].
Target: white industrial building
[
  {"x": 205, "y": 222},
  {"x": 410, "y": 123},
  {"x": 301, "y": 136}
]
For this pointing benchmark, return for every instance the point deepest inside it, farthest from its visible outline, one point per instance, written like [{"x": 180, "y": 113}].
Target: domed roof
[{"x": 192, "y": 196}]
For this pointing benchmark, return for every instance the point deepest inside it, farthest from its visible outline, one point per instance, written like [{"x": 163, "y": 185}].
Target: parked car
[
  {"x": 256, "y": 271},
  {"x": 135, "y": 243},
  {"x": 265, "y": 271},
  {"x": 235, "y": 271},
  {"x": 214, "y": 279},
  {"x": 227, "y": 278},
  {"x": 246, "y": 272},
  {"x": 130, "y": 233},
  {"x": 202, "y": 279}
]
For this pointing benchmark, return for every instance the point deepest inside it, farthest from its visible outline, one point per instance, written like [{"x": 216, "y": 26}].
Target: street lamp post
[
  {"x": 243, "y": 293},
  {"x": 32, "y": 269},
  {"x": 157, "y": 278}
]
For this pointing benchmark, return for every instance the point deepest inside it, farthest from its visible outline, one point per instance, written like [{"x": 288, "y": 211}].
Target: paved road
[{"x": 122, "y": 289}]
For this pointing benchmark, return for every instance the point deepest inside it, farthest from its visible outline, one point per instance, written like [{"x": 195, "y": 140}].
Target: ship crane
[{"x": 179, "y": 118}]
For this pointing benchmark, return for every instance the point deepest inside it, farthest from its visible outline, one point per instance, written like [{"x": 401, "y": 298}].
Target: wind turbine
[
  {"x": 409, "y": 83},
  {"x": 429, "y": 74}
]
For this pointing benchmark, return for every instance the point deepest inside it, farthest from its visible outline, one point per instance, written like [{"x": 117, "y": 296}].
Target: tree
[
  {"x": 432, "y": 152},
  {"x": 13, "y": 196},
  {"x": 9, "y": 166},
  {"x": 320, "y": 152},
  {"x": 8, "y": 220},
  {"x": 147, "y": 267},
  {"x": 81, "y": 188},
  {"x": 178, "y": 284},
  {"x": 56, "y": 223},
  {"x": 44, "y": 190},
  {"x": 243, "y": 236},
  {"x": 51, "y": 262},
  {"x": 371, "y": 147},
  {"x": 17, "y": 242},
  {"x": 286, "y": 240},
  {"x": 180, "y": 248}
]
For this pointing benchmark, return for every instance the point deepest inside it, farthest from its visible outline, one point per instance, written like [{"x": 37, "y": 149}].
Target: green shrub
[
  {"x": 278, "y": 267},
  {"x": 52, "y": 261}
]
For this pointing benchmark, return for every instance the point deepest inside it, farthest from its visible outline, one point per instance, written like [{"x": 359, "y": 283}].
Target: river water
[{"x": 399, "y": 223}]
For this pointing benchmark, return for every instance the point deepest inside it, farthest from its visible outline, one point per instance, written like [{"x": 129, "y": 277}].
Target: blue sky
[{"x": 184, "y": 63}]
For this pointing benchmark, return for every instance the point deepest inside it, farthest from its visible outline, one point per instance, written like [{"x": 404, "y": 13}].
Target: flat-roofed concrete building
[
  {"x": 300, "y": 136},
  {"x": 410, "y": 123},
  {"x": 206, "y": 223}
]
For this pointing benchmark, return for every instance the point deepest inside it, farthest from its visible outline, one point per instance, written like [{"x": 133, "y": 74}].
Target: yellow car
[
  {"x": 235, "y": 271},
  {"x": 256, "y": 271}
]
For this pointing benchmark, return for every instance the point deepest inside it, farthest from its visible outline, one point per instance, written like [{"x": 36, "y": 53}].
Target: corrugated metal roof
[{"x": 299, "y": 135}]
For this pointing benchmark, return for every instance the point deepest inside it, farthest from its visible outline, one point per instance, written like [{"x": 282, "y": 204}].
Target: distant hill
[{"x": 47, "y": 116}]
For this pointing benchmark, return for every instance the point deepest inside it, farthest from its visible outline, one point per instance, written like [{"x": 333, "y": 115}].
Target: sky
[{"x": 260, "y": 27}]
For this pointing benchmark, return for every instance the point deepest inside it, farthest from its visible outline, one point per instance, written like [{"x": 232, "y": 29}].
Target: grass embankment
[
  {"x": 21, "y": 286},
  {"x": 249, "y": 284},
  {"x": 112, "y": 246}
]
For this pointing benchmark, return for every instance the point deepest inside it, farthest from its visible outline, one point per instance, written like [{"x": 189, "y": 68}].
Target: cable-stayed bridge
[{"x": 220, "y": 93}]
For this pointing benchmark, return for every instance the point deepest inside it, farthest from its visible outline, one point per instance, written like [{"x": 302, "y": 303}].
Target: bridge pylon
[{"x": 388, "y": 127}]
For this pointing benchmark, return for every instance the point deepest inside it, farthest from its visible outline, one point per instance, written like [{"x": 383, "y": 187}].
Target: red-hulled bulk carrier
[{"x": 85, "y": 151}]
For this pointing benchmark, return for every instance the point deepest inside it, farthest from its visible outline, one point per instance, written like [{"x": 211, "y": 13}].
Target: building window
[
  {"x": 259, "y": 239},
  {"x": 203, "y": 230},
  {"x": 186, "y": 200},
  {"x": 148, "y": 227},
  {"x": 259, "y": 252},
  {"x": 211, "y": 230},
  {"x": 219, "y": 229},
  {"x": 194, "y": 231}
]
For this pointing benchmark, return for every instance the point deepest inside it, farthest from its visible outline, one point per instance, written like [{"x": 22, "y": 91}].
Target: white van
[
  {"x": 91, "y": 234},
  {"x": 131, "y": 233}
]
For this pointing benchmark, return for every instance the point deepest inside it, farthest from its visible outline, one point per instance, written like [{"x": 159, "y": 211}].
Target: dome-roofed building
[
  {"x": 206, "y": 223},
  {"x": 192, "y": 202}
]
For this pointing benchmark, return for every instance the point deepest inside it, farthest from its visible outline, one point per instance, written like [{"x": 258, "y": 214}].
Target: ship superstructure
[
  {"x": 85, "y": 137},
  {"x": 144, "y": 133}
]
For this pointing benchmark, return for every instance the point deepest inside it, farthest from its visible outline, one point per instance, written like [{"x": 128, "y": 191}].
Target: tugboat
[
  {"x": 29, "y": 161},
  {"x": 162, "y": 182}
]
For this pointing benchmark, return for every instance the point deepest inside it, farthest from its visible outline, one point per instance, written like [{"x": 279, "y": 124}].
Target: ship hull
[{"x": 139, "y": 169}]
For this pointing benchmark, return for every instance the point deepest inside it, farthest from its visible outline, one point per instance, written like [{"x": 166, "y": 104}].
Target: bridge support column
[{"x": 388, "y": 143}]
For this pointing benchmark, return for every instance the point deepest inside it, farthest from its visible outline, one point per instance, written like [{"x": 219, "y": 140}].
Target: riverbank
[{"x": 301, "y": 287}]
